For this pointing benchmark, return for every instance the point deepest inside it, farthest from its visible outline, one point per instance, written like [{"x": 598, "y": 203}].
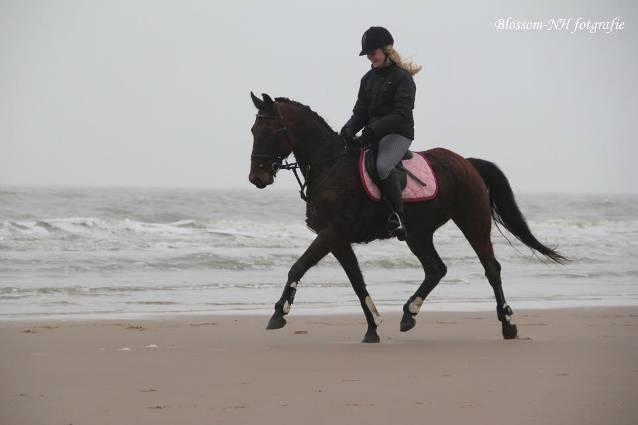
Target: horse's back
[
  {"x": 456, "y": 175},
  {"x": 443, "y": 156}
]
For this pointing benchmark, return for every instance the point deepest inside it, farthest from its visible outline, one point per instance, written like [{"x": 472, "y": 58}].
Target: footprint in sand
[
  {"x": 203, "y": 324},
  {"x": 237, "y": 407},
  {"x": 33, "y": 331},
  {"x": 136, "y": 327}
]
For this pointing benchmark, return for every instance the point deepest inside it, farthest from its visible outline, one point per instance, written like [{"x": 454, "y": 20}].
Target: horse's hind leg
[
  {"x": 477, "y": 232},
  {"x": 434, "y": 269},
  {"x": 503, "y": 310}
]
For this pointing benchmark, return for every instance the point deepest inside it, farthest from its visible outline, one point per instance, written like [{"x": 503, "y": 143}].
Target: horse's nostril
[{"x": 256, "y": 181}]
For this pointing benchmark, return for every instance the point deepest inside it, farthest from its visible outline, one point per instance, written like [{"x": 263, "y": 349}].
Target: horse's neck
[
  {"x": 317, "y": 152},
  {"x": 314, "y": 146}
]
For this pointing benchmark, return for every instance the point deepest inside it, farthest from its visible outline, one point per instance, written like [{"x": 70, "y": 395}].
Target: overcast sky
[{"x": 157, "y": 93}]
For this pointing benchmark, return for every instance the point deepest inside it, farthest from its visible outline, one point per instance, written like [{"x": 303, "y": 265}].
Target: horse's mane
[{"x": 318, "y": 118}]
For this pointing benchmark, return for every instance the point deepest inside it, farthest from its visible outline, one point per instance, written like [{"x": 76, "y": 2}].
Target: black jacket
[{"x": 385, "y": 102}]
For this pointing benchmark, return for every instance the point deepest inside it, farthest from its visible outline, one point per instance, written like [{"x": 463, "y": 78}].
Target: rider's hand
[
  {"x": 347, "y": 134},
  {"x": 351, "y": 141}
]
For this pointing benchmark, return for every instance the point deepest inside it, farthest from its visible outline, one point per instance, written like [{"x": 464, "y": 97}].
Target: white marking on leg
[
  {"x": 294, "y": 284},
  {"x": 286, "y": 307},
  {"x": 415, "y": 305},
  {"x": 373, "y": 309},
  {"x": 508, "y": 318}
]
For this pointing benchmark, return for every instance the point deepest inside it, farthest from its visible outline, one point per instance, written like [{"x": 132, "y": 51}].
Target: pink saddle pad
[{"x": 423, "y": 189}]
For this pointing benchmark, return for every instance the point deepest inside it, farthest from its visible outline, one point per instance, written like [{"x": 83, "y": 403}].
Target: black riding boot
[{"x": 391, "y": 188}]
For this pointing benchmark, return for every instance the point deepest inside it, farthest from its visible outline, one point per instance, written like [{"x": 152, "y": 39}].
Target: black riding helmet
[{"x": 374, "y": 38}]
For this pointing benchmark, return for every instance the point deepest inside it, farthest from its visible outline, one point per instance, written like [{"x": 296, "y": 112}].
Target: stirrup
[{"x": 396, "y": 226}]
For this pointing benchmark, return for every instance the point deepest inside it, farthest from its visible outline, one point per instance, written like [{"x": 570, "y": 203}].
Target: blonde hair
[{"x": 395, "y": 57}]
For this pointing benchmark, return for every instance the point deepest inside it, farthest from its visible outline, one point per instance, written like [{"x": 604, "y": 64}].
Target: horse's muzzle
[{"x": 261, "y": 179}]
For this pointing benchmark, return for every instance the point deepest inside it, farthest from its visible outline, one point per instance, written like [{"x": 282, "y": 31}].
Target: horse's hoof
[
  {"x": 371, "y": 338},
  {"x": 407, "y": 322},
  {"x": 509, "y": 331},
  {"x": 277, "y": 321}
]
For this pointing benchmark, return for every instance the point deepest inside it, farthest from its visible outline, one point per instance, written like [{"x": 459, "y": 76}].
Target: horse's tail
[{"x": 505, "y": 211}]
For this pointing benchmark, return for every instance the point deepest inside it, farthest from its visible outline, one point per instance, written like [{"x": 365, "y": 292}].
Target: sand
[{"x": 571, "y": 366}]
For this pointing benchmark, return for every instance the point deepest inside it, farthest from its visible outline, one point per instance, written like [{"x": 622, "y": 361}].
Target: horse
[{"x": 471, "y": 192}]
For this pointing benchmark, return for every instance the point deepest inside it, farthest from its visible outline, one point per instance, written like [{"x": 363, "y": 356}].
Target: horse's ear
[
  {"x": 267, "y": 99},
  {"x": 259, "y": 104}
]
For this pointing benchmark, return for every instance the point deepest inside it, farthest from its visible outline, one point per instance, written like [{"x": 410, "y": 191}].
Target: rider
[{"x": 384, "y": 110}]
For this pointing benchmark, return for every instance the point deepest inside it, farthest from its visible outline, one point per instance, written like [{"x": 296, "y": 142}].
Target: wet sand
[{"x": 571, "y": 366}]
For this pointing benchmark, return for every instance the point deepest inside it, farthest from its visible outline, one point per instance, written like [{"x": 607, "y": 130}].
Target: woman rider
[{"x": 384, "y": 111}]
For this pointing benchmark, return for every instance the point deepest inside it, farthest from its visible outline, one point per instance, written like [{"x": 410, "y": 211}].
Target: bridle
[{"x": 276, "y": 161}]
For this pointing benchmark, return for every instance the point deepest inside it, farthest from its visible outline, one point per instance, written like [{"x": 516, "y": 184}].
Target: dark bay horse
[{"x": 471, "y": 192}]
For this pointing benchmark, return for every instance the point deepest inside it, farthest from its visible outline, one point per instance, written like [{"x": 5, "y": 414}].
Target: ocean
[{"x": 68, "y": 253}]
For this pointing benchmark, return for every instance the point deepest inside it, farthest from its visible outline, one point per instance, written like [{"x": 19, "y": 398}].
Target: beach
[
  {"x": 569, "y": 366},
  {"x": 130, "y": 306}
]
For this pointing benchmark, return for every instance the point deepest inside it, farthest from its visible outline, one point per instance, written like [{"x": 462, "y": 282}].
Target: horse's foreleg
[
  {"x": 345, "y": 255},
  {"x": 435, "y": 270},
  {"x": 318, "y": 249}
]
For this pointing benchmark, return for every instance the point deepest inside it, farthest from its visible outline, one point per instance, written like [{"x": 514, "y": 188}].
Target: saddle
[{"x": 418, "y": 182}]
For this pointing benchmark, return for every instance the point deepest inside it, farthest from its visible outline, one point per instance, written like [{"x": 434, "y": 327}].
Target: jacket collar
[{"x": 383, "y": 71}]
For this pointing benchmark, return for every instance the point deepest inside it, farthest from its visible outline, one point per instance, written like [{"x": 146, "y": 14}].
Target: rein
[
  {"x": 305, "y": 172},
  {"x": 303, "y": 187}
]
